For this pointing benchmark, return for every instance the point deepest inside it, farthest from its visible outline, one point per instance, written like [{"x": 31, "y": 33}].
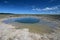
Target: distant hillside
[
  {"x": 6, "y": 13},
  {"x": 45, "y": 15}
]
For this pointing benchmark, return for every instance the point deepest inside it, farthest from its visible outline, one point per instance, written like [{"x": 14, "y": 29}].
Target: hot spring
[
  {"x": 23, "y": 20},
  {"x": 34, "y": 24}
]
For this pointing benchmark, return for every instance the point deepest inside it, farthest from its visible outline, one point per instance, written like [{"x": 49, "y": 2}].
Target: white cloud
[
  {"x": 37, "y": 9},
  {"x": 46, "y": 8},
  {"x": 50, "y": 8}
]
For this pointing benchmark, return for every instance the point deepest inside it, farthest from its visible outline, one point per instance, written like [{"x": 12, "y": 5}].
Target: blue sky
[{"x": 30, "y": 6}]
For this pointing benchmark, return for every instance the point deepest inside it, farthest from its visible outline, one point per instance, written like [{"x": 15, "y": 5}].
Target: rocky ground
[{"x": 8, "y": 32}]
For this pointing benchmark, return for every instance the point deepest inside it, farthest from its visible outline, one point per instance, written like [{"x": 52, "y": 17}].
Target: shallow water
[
  {"x": 30, "y": 20},
  {"x": 22, "y": 20},
  {"x": 27, "y": 20}
]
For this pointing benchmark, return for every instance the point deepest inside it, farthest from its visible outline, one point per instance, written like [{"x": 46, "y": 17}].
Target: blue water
[
  {"x": 27, "y": 20},
  {"x": 31, "y": 20},
  {"x": 22, "y": 20}
]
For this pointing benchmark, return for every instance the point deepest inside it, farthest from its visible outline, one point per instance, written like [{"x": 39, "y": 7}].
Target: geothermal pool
[
  {"x": 27, "y": 20},
  {"x": 30, "y": 20},
  {"x": 23, "y": 20},
  {"x": 33, "y": 23}
]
